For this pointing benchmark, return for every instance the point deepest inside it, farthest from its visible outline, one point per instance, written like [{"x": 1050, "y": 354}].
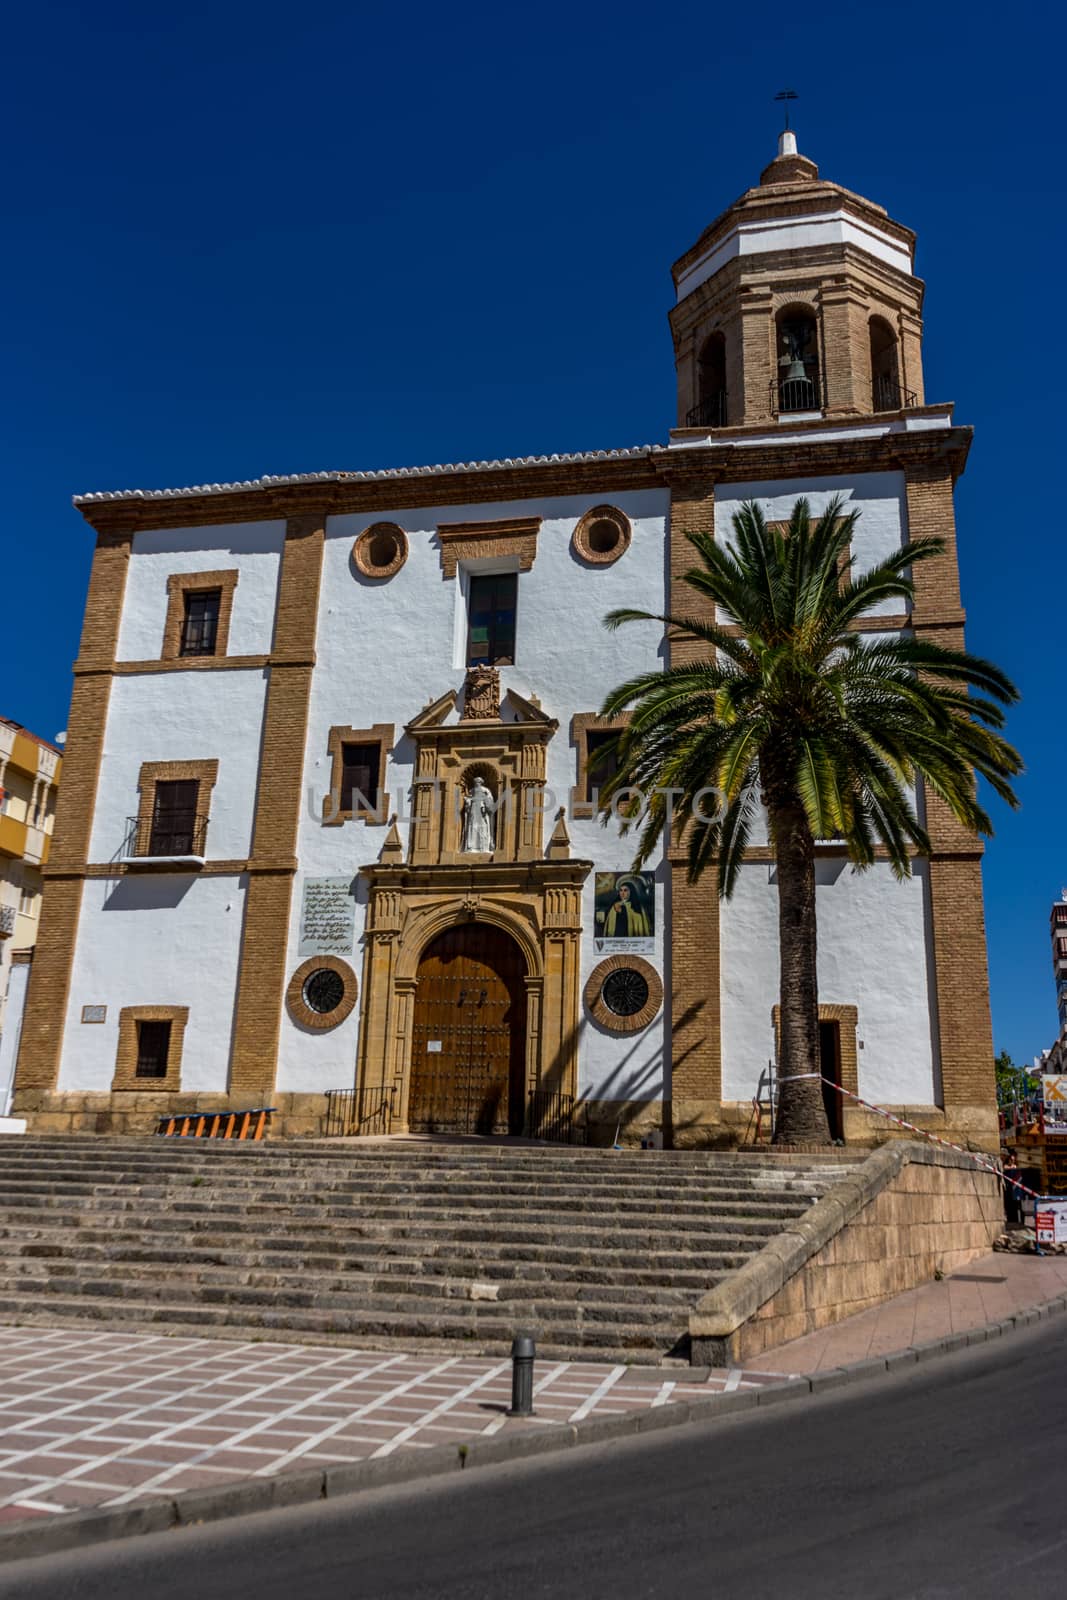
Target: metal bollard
[{"x": 523, "y": 1351}]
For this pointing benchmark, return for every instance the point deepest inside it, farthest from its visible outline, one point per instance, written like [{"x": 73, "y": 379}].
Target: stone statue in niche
[{"x": 478, "y": 819}]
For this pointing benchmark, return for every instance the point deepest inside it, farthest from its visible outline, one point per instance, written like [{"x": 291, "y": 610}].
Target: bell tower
[{"x": 800, "y": 301}]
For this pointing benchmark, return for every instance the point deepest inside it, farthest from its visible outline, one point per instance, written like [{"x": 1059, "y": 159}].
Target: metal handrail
[
  {"x": 709, "y": 413},
  {"x": 358, "y": 1113},
  {"x": 889, "y": 396},
  {"x": 551, "y": 1115},
  {"x": 148, "y": 839},
  {"x": 797, "y": 394}
]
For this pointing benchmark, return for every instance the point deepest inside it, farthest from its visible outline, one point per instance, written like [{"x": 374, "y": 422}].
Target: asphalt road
[{"x": 944, "y": 1481}]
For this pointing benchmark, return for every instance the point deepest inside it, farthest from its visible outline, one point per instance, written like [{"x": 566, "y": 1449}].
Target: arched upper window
[
  {"x": 798, "y": 386},
  {"x": 710, "y": 409},
  {"x": 885, "y": 368}
]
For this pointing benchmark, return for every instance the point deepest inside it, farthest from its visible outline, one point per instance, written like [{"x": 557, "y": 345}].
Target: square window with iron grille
[
  {"x": 360, "y": 776},
  {"x": 491, "y": 605},
  {"x": 153, "y": 1049},
  {"x": 200, "y": 625},
  {"x": 175, "y": 826}
]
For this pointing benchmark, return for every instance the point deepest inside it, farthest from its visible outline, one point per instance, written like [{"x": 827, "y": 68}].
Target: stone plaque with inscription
[{"x": 327, "y": 917}]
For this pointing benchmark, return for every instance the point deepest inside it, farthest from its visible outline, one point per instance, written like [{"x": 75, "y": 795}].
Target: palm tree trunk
[{"x": 801, "y": 1112}]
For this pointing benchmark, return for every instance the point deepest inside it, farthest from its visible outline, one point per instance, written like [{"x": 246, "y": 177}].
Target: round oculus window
[
  {"x": 625, "y": 992},
  {"x": 323, "y": 991},
  {"x": 603, "y": 536},
  {"x": 380, "y": 550}
]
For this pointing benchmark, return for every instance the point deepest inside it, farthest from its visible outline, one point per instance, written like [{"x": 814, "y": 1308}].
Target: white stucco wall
[
  {"x": 872, "y": 954},
  {"x": 384, "y": 650},
  {"x": 878, "y": 496},
  {"x": 164, "y": 939},
  {"x": 187, "y": 716},
  {"x": 252, "y": 548}
]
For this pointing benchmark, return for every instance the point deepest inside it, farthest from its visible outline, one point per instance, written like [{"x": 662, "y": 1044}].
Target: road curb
[{"x": 78, "y": 1529}]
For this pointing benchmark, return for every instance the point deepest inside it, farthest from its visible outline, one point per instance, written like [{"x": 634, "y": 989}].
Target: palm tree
[{"x": 828, "y": 728}]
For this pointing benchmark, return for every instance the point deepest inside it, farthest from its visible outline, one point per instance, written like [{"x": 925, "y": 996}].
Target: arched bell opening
[
  {"x": 799, "y": 383},
  {"x": 885, "y": 367},
  {"x": 710, "y": 409}
]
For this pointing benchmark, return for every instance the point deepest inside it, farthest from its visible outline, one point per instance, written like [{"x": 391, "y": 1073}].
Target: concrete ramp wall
[{"x": 912, "y": 1209}]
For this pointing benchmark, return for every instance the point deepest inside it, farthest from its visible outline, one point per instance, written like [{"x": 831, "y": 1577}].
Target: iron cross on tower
[{"x": 787, "y": 95}]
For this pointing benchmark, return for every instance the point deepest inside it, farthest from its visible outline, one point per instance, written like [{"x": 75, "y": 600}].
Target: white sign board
[
  {"x": 1051, "y": 1221},
  {"x": 327, "y": 917},
  {"x": 1054, "y": 1094}
]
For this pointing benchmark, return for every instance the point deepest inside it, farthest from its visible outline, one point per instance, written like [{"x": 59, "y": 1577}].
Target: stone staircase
[{"x": 600, "y": 1252}]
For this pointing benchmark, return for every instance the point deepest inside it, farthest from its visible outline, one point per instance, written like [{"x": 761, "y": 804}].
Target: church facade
[{"x": 328, "y": 835}]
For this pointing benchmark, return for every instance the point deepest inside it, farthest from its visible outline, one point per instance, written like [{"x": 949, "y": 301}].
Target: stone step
[
  {"x": 663, "y": 1186},
  {"x": 560, "y": 1326},
  {"x": 455, "y": 1256},
  {"x": 601, "y": 1253},
  {"x": 378, "y": 1208},
  {"x": 598, "y": 1302},
  {"x": 190, "y": 1322},
  {"x": 713, "y": 1234},
  {"x": 578, "y": 1182},
  {"x": 362, "y": 1158}
]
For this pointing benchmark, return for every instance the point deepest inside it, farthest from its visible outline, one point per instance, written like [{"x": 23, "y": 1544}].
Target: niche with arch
[
  {"x": 885, "y": 367},
  {"x": 799, "y": 383},
  {"x": 710, "y": 409}
]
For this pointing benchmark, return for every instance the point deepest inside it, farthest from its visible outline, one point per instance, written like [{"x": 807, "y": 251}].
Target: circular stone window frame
[
  {"x": 580, "y": 539},
  {"x": 298, "y": 1007},
  {"x": 361, "y": 550},
  {"x": 601, "y": 1012}
]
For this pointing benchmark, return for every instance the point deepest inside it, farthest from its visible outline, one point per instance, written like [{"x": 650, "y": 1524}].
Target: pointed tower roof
[{"x": 792, "y": 208}]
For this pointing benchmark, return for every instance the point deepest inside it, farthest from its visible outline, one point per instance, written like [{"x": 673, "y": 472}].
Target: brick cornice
[{"x": 459, "y": 487}]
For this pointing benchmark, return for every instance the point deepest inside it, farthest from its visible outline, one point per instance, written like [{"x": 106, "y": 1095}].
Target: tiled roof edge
[{"x": 272, "y": 481}]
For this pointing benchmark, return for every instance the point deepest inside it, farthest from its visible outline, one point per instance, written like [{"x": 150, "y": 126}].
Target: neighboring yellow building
[{"x": 29, "y": 774}]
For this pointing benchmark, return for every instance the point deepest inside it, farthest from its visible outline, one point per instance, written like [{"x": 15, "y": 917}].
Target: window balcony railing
[
  {"x": 7, "y": 921},
  {"x": 710, "y": 413},
  {"x": 796, "y": 394},
  {"x": 165, "y": 840},
  {"x": 889, "y": 396}
]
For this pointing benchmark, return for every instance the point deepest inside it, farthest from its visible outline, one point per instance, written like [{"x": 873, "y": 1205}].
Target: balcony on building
[
  {"x": 7, "y": 921},
  {"x": 177, "y": 844}
]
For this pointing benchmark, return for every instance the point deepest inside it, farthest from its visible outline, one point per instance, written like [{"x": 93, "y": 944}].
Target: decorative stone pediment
[{"x": 502, "y": 744}]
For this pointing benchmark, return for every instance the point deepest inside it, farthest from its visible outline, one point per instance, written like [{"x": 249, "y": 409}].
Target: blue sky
[{"x": 272, "y": 239}]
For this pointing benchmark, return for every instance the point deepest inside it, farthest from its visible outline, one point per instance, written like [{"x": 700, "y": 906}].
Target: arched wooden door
[{"x": 469, "y": 1040}]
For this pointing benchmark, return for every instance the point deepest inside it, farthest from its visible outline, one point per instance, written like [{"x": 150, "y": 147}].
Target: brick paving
[
  {"x": 91, "y": 1419},
  {"x": 989, "y": 1289}
]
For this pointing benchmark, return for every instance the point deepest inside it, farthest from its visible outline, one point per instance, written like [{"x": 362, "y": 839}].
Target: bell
[{"x": 792, "y": 368}]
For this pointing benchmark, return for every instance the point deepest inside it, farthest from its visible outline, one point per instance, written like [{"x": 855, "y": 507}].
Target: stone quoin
[{"x": 295, "y": 682}]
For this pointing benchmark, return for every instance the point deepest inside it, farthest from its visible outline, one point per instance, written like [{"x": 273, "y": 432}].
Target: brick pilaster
[
  {"x": 46, "y": 999},
  {"x": 961, "y": 974},
  {"x": 695, "y": 1020},
  {"x": 265, "y": 935}
]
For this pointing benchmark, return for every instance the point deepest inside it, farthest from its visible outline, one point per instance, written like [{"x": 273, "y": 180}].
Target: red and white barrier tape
[{"x": 935, "y": 1138}]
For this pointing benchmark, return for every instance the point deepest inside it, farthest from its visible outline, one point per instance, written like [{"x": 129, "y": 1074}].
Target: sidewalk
[
  {"x": 93, "y": 1419},
  {"x": 988, "y": 1290},
  {"x": 114, "y": 1419}
]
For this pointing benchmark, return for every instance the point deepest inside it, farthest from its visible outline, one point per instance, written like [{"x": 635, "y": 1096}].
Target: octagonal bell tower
[{"x": 799, "y": 301}]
